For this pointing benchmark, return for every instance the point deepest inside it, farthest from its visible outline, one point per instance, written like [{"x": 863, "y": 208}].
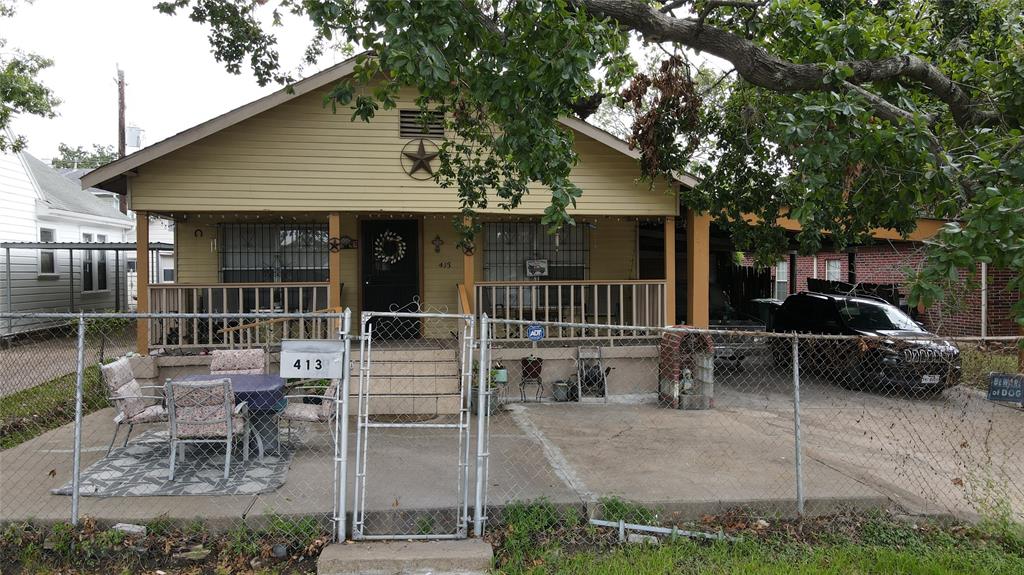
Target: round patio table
[{"x": 264, "y": 396}]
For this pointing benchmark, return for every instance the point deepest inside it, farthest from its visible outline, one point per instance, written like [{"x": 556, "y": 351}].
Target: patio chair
[
  {"x": 246, "y": 361},
  {"x": 205, "y": 412},
  {"x": 308, "y": 412},
  {"x": 130, "y": 400}
]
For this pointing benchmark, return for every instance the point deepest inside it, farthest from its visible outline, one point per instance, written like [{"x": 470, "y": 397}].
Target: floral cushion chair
[
  {"x": 310, "y": 413},
  {"x": 205, "y": 412},
  {"x": 244, "y": 361},
  {"x": 130, "y": 399}
]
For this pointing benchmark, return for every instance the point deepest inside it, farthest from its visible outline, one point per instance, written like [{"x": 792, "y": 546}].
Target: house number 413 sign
[{"x": 317, "y": 358}]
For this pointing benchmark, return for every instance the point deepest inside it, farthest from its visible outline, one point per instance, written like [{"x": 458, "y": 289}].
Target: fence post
[
  {"x": 799, "y": 459},
  {"x": 482, "y": 406},
  {"x": 79, "y": 393},
  {"x": 341, "y": 430}
]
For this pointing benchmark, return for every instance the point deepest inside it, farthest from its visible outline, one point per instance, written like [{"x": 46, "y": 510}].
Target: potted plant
[
  {"x": 531, "y": 366},
  {"x": 499, "y": 374},
  {"x": 492, "y": 386}
]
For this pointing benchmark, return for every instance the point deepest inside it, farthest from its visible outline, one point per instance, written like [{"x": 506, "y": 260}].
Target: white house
[
  {"x": 41, "y": 205},
  {"x": 161, "y": 230}
]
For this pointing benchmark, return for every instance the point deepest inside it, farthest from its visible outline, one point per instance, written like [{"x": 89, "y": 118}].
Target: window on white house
[
  {"x": 130, "y": 266},
  {"x": 782, "y": 279},
  {"x": 169, "y": 275},
  {"x": 832, "y": 270},
  {"x": 89, "y": 274},
  {"x": 47, "y": 261},
  {"x": 101, "y": 264}
]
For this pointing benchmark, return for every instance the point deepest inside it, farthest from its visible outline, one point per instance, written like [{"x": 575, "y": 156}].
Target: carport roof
[{"x": 111, "y": 246}]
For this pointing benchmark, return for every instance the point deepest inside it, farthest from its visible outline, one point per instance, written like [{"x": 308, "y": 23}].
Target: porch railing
[
  {"x": 307, "y": 297},
  {"x": 635, "y": 303}
]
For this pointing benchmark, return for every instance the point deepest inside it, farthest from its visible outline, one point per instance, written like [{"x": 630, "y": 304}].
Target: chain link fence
[
  {"x": 666, "y": 426},
  {"x": 583, "y": 425},
  {"x": 207, "y": 436}
]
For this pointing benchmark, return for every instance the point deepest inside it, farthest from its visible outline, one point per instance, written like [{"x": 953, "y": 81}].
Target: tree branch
[{"x": 761, "y": 68}]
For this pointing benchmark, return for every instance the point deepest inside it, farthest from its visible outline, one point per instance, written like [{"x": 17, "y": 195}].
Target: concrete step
[
  {"x": 411, "y": 354},
  {"x": 409, "y": 385},
  {"x": 419, "y": 405},
  {"x": 464, "y": 556}
]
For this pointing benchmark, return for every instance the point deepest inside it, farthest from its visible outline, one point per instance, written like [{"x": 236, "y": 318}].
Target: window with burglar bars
[
  {"x": 411, "y": 124},
  {"x": 256, "y": 252},
  {"x": 511, "y": 245}
]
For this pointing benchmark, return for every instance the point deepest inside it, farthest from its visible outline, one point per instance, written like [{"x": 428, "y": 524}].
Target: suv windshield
[{"x": 867, "y": 316}]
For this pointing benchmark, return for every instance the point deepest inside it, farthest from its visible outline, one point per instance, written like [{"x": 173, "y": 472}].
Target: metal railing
[
  {"x": 630, "y": 303},
  {"x": 304, "y": 297}
]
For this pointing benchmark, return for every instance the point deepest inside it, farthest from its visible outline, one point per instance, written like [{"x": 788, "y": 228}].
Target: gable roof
[
  {"x": 108, "y": 176},
  {"x": 62, "y": 193}
]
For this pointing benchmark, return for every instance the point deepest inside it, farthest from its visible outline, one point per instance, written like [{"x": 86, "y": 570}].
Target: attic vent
[{"x": 411, "y": 124}]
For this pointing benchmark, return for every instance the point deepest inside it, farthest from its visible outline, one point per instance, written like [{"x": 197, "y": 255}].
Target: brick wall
[{"x": 960, "y": 315}]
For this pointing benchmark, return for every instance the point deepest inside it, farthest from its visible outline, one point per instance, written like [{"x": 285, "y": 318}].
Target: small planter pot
[
  {"x": 531, "y": 367},
  {"x": 492, "y": 406},
  {"x": 560, "y": 391},
  {"x": 499, "y": 376}
]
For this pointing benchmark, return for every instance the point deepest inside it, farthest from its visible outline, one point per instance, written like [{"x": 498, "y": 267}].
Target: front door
[{"x": 391, "y": 273}]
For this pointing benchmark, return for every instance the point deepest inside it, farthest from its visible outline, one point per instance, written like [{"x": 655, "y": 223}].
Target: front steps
[{"x": 416, "y": 382}]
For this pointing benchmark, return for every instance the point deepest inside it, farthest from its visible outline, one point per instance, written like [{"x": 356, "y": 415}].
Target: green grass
[
  {"x": 49, "y": 405},
  {"x": 536, "y": 540},
  {"x": 752, "y": 556},
  {"x": 976, "y": 365}
]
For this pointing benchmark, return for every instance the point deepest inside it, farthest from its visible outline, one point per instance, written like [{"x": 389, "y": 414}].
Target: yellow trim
[
  {"x": 142, "y": 280},
  {"x": 698, "y": 269}
]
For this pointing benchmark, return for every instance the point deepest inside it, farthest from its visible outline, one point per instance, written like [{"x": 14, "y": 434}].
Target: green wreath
[{"x": 389, "y": 247}]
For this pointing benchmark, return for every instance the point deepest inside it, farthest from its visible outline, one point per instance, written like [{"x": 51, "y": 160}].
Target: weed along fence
[{"x": 418, "y": 425}]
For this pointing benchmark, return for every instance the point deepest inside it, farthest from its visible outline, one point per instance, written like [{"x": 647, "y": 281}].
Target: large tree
[
  {"x": 845, "y": 115},
  {"x": 21, "y": 92},
  {"x": 79, "y": 157}
]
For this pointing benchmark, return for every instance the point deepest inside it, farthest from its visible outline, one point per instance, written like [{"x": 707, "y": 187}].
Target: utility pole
[{"x": 122, "y": 199}]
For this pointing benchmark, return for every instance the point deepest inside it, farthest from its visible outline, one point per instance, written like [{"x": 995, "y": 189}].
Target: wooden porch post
[
  {"x": 334, "y": 262},
  {"x": 670, "y": 270},
  {"x": 142, "y": 280},
  {"x": 698, "y": 269}
]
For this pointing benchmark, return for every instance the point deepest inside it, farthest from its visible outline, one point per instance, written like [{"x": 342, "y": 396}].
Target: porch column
[
  {"x": 469, "y": 273},
  {"x": 698, "y": 269},
  {"x": 670, "y": 270},
  {"x": 334, "y": 262},
  {"x": 142, "y": 280}
]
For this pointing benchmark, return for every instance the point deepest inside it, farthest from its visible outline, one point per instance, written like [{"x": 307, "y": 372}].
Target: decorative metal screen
[
  {"x": 256, "y": 252},
  {"x": 511, "y": 245}
]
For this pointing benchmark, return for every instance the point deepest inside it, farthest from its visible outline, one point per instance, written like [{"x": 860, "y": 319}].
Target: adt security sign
[
  {"x": 535, "y": 332},
  {"x": 312, "y": 358}
]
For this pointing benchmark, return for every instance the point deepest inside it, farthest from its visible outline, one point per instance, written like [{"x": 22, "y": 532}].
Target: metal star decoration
[{"x": 421, "y": 160}]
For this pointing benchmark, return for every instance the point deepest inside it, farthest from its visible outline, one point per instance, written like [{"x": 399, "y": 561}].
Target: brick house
[{"x": 886, "y": 262}]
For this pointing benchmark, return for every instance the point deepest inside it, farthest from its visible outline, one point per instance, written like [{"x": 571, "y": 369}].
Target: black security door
[{"x": 390, "y": 269}]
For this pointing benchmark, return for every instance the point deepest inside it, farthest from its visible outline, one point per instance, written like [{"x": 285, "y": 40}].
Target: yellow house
[{"x": 282, "y": 205}]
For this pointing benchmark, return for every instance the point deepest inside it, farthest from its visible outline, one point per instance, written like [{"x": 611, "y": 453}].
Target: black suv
[{"x": 895, "y": 352}]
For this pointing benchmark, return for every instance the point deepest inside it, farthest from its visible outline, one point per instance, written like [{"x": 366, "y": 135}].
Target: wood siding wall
[{"x": 299, "y": 157}]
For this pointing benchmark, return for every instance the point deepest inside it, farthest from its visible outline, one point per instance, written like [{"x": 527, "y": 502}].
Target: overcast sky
[{"x": 173, "y": 82}]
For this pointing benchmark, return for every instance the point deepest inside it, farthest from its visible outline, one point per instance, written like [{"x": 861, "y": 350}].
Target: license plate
[{"x": 930, "y": 379}]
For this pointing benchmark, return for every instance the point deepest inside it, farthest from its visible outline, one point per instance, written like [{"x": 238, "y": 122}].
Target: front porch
[{"x": 605, "y": 270}]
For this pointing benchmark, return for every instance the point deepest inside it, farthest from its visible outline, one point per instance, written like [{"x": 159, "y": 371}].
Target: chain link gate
[{"x": 414, "y": 396}]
